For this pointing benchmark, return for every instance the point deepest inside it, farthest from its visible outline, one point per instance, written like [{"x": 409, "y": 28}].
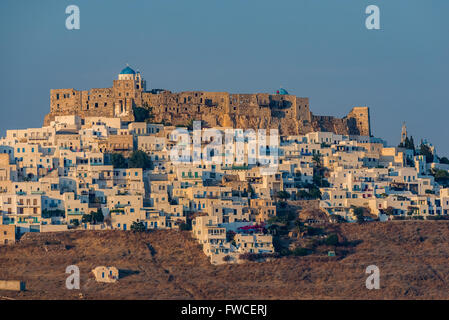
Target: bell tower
[
  {"x": 403, "y": 133},
  {"x": 127, "y": 91}
]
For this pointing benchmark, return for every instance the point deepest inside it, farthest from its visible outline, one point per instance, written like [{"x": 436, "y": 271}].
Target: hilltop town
[{"x": 124, "y": 158}]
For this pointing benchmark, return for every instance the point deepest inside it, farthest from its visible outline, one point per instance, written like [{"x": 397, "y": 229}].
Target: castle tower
[
  {"x": 361, "y": 118},
  {"x": 403, "y": 133}
]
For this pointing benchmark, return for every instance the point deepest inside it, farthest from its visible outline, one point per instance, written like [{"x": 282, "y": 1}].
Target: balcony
[
  {"x": 75, "y": 213},
  {"x": 27, "y": 205}
]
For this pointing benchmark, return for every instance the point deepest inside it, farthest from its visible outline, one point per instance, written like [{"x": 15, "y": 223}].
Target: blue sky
[{"x": 314, "y": 48}]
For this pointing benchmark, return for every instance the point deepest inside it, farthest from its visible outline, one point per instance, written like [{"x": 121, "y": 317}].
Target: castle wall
[
  {"x": 361, "y": 117},
  {"x": 288, "y": 113}
]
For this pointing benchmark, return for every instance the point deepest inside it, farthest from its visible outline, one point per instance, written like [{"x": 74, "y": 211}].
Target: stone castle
[{"x": 288, "y": 113}]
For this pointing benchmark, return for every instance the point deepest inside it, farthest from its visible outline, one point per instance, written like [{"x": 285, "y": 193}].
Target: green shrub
[
  {"x": 300, "y": 252},
  {"x": 138, "y": 226},
  {"x": 331, "y": 240}
]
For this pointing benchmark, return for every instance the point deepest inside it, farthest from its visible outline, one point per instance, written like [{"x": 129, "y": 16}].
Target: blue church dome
[
  {"x": 127, "y": 70},
  {"x": 281, "y": 91}
]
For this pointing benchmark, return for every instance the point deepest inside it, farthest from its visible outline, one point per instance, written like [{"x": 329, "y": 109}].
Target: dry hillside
[{"x": 412, "y": 257}]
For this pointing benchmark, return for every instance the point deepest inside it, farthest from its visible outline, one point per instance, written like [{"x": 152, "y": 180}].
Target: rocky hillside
[{"x": 412, "y": 257}]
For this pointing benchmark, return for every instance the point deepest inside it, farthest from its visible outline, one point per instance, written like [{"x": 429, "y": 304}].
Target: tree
[
  {"x": 408, "y": 144},
  {"x": 319, "y": 172},
  {"x": 118, "y": 161},
  {"x": 300, "y": 226},
  {"x": 138, "y": 226},
  {"x": 230, "y": 235},
  {"x": 87, "y": 218},
  {"x": 319, "y": 181},
  {"x": 273, "y": 229},
  {"x": 98, "y": 216},
  {"x": 185, "y": 227},
  {"x": 141, "y": 114},
  {"x": 441, "y": 176},
  {"x": 425, "y": 150},
  {"x": 358, "y": 212},
  {"x": 139, "y": 159},
  {"x": 312, "y": 231},
  {"x": 302, "y": 194},
  {"x": 444, "y": 160},
  {"x": 389, "y": 211},
  {"x": 93, "y": 218},
  {"x": 338, "y": 218},
  {"x": 253, "y": 256},
  {"x": 52, "y": 213},
  {"x": 300, "y": 252},
  {"x": 411, "y": 144},
  {"x": 315, "y": 193},
  {"x": 317, "y": 160},
  {"x": 251, "y": 190},
  {"x": 331, "y": 240},
  {"x": 283, "y": 195},
  {"x": 108, "y": 221}
]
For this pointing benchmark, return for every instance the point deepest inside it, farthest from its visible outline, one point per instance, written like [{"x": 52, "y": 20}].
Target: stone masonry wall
[{"x": 288, "y": 113}]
